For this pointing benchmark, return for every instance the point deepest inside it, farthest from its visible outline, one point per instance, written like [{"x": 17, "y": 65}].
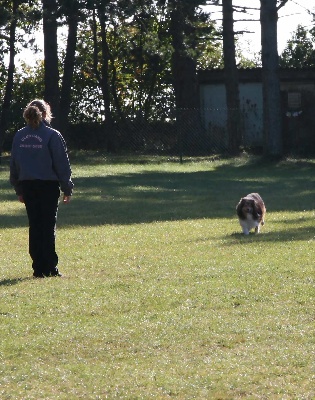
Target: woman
[{"x": 39, "y": 168}]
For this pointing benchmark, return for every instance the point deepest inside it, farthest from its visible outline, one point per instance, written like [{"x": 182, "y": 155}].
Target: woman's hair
[
  {"x": 36, "y": 111},
  {"x": 33, "y": 116}
]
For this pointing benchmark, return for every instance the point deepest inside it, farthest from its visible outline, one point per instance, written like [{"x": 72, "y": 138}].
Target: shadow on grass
[
  {"x": 146, "y": 196},
  {"x": 288, "y": 235},
  {"x": 11, "y": 282}
]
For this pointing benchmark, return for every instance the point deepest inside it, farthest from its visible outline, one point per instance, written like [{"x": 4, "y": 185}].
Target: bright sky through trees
[{"x": 295, "y": 12}]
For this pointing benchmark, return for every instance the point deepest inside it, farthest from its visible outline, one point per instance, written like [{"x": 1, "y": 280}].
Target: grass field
[{"x": 163, "y": 297}]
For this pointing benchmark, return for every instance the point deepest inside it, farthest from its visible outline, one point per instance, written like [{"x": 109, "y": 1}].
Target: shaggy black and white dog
[{"x": 251, "y": 212}]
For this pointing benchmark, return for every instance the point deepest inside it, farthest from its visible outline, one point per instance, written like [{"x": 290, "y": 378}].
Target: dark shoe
[
  {"x": 57, "y": 274},
  {"x": 38, "y": 275}
]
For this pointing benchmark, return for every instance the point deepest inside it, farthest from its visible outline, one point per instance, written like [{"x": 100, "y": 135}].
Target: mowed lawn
[{"x": 163, "y": 297}]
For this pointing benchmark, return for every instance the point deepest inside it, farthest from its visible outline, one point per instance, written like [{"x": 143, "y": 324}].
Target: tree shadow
[
  {"x": 150, "y": 196},
  {"x": 14, "y": 281},
  {"x": 283, "y": 235}
]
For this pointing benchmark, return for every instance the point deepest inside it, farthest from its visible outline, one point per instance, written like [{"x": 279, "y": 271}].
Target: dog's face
[{"x": 247, "y": 206}]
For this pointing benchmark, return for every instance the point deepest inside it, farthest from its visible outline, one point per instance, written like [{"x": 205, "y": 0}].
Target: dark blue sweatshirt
[{"x": 40, "y": 154}]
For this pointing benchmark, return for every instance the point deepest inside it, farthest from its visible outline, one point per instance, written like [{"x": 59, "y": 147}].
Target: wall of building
[
  {"x": 298, "y": 112},
  {"x": 213, "y": 104}
]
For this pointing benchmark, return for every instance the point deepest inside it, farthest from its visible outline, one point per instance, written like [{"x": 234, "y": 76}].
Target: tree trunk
[
  {"x": 148, "y": 101},
  {"x": 113, "y": 84},
  {"x": 67, "y": 79},
  {"x": 51, "y": 75},
  {"x": 231, "y": 79},
  {"x": 183, "y": 66},
  {"x": 5, "y": 109},
  {"x": 271, "y": 84},
  {"x": 185, "y": 87},
  {"x": 104, "y": 69}
]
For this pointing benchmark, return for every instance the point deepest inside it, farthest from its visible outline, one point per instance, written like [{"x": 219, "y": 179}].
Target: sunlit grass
[{"x": 162, "y": 296}]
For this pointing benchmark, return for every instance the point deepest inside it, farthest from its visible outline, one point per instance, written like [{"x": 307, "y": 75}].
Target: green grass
[{"x": 163, "y": 296}]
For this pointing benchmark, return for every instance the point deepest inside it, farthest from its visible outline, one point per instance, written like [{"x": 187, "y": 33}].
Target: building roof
[{"x": 255, "y": 75}]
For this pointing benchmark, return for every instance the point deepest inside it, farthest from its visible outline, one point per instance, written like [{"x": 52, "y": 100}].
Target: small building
[{"x": 298, "y": 107}]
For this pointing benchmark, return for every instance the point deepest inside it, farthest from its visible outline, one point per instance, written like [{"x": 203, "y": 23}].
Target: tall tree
[
  {"x": 51, "y": 92},
  {"x": 231, "y": 78},
  {"x": 105, "y": 57},
  {"x": 299, "y": 51},
  {"x": 71, "y": 9},
  {"x": 5, "y": 108},
  {"x": 271, "y": 84},
  {"x": 183, "y": 65},
  {"x": 184, "y": 72},
  {"x": 133, "y": 58}
]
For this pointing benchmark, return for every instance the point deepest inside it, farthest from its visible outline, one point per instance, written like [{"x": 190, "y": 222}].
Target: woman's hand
[{"x": 66, "y": 199}]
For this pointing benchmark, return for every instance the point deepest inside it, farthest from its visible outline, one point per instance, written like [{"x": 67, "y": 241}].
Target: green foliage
[
  {"x": 28, "y": 84},
  {"x": 140, "y": 57},
  {"x": 86, "y": 99},
  {"x": 28, "y": 16},
  {"x": 4, "y": 14},
  {"x": 205, "y": 43},
  {"x": 299, "y": 52},
  {"x": 171, "y": 301},
  {"x": 142, "y": 64},
  {"x": 139, "y": 68},
  {"x": 139, "y": 51}
]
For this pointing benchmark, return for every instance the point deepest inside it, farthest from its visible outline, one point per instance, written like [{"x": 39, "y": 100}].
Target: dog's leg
[{"x": 257, "y": 229}]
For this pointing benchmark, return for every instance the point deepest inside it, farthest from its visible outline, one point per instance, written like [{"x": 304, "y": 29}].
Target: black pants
[{"x": 41, "y": 200}]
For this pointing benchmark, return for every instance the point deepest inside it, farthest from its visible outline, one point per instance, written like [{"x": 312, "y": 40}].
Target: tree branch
[
  {"x": 242, "y": 32},
  {"x": 281, "y": 4},
  {"x": 3, "y": 36},
  {"x": 247, "y": 20},
  {"x": 244, "y": 8}
]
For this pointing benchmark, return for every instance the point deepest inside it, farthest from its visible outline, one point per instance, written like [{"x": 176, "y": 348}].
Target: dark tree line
[
  {"x": 132, "y": 53},
  {"x": 131, "y": 59}
]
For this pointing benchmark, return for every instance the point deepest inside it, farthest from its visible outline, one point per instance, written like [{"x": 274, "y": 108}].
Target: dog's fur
[{"x": 251, "y": 212}]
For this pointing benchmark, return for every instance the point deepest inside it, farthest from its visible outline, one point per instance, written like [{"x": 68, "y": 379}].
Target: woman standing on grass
[{"x": 39, "y": 168}]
